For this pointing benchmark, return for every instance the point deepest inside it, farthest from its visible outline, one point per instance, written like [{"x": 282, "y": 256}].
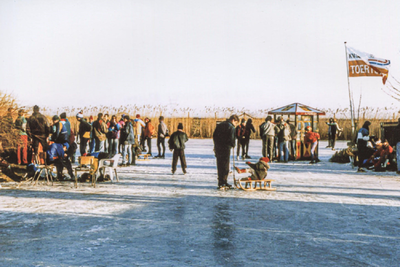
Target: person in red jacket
[
  {"x": 148, "y": 133},
  {"x": 312, "y": 138},
  {"x": 380, "y": 156}
]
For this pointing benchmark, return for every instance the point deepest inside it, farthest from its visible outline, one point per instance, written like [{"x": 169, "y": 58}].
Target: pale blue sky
[{"x": 252, "y": 54}]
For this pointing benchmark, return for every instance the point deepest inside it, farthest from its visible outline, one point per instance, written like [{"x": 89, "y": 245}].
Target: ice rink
[{"x": 321, "y": 215}]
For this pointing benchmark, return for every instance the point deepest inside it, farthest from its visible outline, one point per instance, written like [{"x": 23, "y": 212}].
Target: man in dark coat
[
  {"x": 59, "y": 133},
  {"x": 38, "y": 129},
  {"x": 177, "y": 143},
  {"x": 84, "y": 133},
  {"x": 224, "y": 141}
]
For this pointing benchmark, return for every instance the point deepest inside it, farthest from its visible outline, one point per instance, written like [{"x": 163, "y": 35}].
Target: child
[
  {"x": 258, "y": 170},
  {"x": 312, "y": 138}
]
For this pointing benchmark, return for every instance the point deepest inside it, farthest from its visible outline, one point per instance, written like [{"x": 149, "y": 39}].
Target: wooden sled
[
  {"x": 253, "y": 185},
  {"x": 145, "y": 157},
  {"x": 248, "y": 184}
]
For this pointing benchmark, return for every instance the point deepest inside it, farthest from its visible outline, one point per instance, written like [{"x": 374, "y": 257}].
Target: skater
[
  {"x": 224, "y": 141},
  {"x": 57, "y": 155},
  {"x": 127, "y": 140},
  {"x": 99, "y": 132},
  {"x": 176, "y": 144},
  {"x": 84, "y": 133},
  {"x": 249, "y": 130},
  {"x": 161, "y": 134},
  {"x": 332, "y": 132},
  {"x": 293, "y": 139},
  {"x": 20, "y": 124},
  {"x": 283, "y": 140},
  {"x": 267, "y": 132},
  {"x": 362, "y": 141},
  {"x": 148, "y": 134},
  {"x": 38, "y": 129},
  {"x": 311, "y": 138},
  {"x": 240, "y": 135}
]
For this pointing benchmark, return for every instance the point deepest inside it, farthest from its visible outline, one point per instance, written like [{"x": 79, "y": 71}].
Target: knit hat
[
  {"x": 56, "y": 118},
  {"x": 36, "y": 108},
  {"x": 180, "y": 126},
  {"x": 137, "y": 116},
  {"x": 308, "y": 128},
  {"x": 265, "y": 159},
  {"x": 243, "y": 120},
  {"x": 66, "y": 145},
  {"x": 79, "y": 115},
  {"x": 91, "y": 117},
  {"x": 63, "y": 115}
]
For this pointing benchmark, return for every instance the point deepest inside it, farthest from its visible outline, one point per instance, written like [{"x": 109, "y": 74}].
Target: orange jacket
[
  {"x": 149, "y": 130},
  {"x": 311, "y": 137}
]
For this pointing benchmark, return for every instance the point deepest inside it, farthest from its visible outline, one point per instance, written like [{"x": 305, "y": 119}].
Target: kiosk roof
[{"x": 297, "y": 109}]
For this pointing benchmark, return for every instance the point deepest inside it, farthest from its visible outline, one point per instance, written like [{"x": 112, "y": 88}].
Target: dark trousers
[
  {"x": 179, "y": 153},
  {"x": 35, "y": 144},
  {"x": 223, "y": 158},
  {"x": 363, "y": 153},
  {"x": 161, "y": 144},
  {"x": 82, "y": 146},
  {"x": 148, "y": 139},
  {"x": 60, "y": 164},
  {"x": 133, "y": 155},
  {"x": 246, "y": 142},
  {"x": 240, "y": 144},
  {"x": 333, "y": 140},
  {"x": 268, "y": 146}
]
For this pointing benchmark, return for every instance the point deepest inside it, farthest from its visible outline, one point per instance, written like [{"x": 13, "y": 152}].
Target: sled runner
[
  {"x": 143, "y": 157},
  {"x": 248, "y": 184}
]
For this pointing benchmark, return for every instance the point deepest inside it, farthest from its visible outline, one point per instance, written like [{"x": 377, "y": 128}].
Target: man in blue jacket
[{"x": 57, "y": 155}]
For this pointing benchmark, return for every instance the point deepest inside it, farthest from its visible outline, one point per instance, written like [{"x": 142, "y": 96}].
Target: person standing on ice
[
  {"x": 312, "y": 138},
  {"x": 362, "y": 141},
  {"x": 176, "y": 143},
  {"x": 267, "y": 132},
  {"x": 161, "y": 134},
  {"x": 224, "y": 141},
  {"x": 249, "y": 130}
]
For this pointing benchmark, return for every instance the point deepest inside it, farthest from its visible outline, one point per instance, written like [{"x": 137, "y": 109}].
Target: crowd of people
[{"x": 129, "y": 136}]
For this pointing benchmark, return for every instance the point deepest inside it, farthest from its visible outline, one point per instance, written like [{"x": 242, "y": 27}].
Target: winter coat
[
  {"x": 38, "y": 126},
  {"x": 127, "y": 134},
  {"x": 149, "y": 130},
  {"x": 55, "y": 151},
  {"x": 224, "y": 137},
  {"x": 162, "y": 130},
  {"x": 362, "y": 137},
  {"x": 249, "y": 129},
  {"x": 100, "y": 130},
  {"x": 59, "y": 133},
  {"x": 293, "y": 132},
  {"x": 284, "y": 133},
  {"x": 84, "y": 127},
  {"x": 260, "y": 170},
  {"x": 333, "y": 128},
  {"x": 311, "y": 137},
  {"x": 241, "y": 132},
  {"x": 177, "y": 140},
  {"x": 267, "y": 129},
  {"x": 20, "y": 124},
  {"x": 113, "y": 130}
]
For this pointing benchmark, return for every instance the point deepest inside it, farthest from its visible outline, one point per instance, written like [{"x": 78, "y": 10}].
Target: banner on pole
[{"x": 363, "y": 64}]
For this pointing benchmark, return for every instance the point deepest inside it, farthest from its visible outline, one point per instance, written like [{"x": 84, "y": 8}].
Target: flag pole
[{"x": 348, "y": 85}]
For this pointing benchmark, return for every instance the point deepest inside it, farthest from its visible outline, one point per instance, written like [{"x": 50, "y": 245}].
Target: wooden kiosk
[{"x": 301, "y": 116}]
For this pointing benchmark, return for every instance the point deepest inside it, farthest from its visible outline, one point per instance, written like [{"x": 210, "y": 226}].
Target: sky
[{"x": 230, "y": 53}]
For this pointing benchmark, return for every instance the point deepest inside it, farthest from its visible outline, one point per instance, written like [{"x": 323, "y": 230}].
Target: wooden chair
[
  {"x": 86, "y": 164},
  {"x": 109, "y": 165},
  {"x": 41, "y": 164}
]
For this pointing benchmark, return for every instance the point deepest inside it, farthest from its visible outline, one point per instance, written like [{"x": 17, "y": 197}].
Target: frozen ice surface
[{"x": 321, "y": 215}]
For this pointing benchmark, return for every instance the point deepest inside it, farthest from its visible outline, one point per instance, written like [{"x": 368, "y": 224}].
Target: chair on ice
[{"x": 110, "y": 166}]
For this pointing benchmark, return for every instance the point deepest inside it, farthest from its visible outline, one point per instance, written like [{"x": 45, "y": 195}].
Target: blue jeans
[
  {"x": 283, "y": 150},
  {"x": 99, "y": 145},
  {"x": 293, "y": 147},
  {"x": 113, "y": 146},
  {"x": 126, "y": 149},
  {"x": 92, "y": 144}
]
